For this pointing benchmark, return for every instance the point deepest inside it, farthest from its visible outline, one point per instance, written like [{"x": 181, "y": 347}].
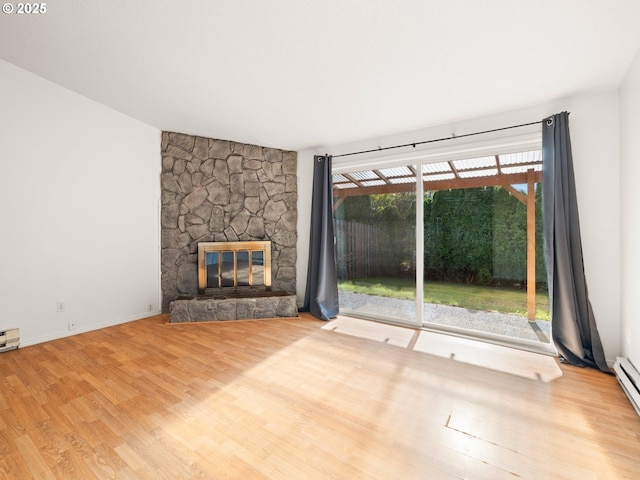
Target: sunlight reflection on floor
[{"x": 494, "y": 357}]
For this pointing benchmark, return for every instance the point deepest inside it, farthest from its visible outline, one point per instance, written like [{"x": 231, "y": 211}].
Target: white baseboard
[{"x": 629, "y": 380}]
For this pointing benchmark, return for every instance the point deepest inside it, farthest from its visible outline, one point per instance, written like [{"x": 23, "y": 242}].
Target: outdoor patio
[{"x": 488, "y": 322}]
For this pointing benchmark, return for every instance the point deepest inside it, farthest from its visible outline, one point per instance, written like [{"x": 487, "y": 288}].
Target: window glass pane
[
  {"x": 376, "y": 238},
  {"x": 476, "y": 261}
]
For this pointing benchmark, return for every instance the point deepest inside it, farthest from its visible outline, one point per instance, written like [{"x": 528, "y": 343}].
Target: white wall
[
  {"x": 594, "y": 125},
  {"x": 630, "y": 216},
  {"x": 79, "y": 190}
]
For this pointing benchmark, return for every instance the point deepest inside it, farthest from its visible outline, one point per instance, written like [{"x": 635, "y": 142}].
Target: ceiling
[{"x": 298, "y": 74}]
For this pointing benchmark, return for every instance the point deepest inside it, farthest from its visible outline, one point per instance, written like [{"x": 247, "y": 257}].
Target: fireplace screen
[{"x": 234, "y": 266}]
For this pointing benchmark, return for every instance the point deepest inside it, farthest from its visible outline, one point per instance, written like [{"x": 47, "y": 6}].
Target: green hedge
[{"x": 475, "y": 236}]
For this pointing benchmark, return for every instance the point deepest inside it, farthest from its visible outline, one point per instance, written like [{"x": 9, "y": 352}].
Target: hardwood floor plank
[
  {"x": 33, "y": 459},
  {"x": 13, "y": 465},
  {"x": 300, "y": 398}
]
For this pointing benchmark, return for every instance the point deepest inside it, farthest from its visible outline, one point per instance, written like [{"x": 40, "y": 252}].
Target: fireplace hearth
[{"x": 234, "y": 282}]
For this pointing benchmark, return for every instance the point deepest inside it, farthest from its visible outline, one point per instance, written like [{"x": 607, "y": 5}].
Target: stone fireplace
[{"x": 221, "y": 191}]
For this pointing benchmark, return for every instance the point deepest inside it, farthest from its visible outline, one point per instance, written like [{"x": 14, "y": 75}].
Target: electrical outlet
[
  {"x": 150, "y": 307},
  {"x": 60, "y": 306},
  {"x": 72, "y": 324}
]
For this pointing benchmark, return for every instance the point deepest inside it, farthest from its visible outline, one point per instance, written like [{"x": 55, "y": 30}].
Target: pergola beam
[
  {"x": 516, "y": 193},
  {"x": 338, "y": 203}
]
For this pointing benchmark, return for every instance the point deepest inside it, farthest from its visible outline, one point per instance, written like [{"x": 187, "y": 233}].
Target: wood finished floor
[{"x": 302, "y": 399}]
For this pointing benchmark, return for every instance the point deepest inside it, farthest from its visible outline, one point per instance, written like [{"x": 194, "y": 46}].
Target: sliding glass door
[{"x": 450, "y": 245}]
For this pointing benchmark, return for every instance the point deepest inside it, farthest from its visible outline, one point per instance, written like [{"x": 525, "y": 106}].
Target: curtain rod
[{"x": 379, "y": 149}]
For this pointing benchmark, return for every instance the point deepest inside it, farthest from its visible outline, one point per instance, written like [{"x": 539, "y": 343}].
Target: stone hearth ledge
[{"x": 207, "y": 308}]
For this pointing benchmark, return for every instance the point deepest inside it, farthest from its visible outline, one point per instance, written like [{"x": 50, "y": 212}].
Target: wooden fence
[{"x": 356, "y": 250}]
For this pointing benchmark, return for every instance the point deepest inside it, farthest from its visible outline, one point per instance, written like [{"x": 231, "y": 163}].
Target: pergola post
[{"x": 531, "y": 245}]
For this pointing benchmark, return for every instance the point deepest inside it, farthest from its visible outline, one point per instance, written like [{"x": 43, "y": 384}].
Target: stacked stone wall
[{"x": 217, "y": 191}]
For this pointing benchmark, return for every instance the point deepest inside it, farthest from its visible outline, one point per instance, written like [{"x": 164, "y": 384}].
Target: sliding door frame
[{"x": 529, "y": 138}]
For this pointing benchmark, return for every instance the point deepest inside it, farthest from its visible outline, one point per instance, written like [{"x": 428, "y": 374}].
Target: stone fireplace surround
[{"x": 217, "y": 190}]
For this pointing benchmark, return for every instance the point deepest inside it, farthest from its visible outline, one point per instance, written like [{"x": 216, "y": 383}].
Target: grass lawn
[{"x": 493, "y": 299}]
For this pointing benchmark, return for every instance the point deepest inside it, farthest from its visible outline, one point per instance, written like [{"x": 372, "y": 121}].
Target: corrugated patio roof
[{"x": 506, "y": 169}]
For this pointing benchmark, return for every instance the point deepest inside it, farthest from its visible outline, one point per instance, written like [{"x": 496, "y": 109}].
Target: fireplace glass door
[
  {"x": 229, "y": 269},
  {"x": 234, "y": 265}
]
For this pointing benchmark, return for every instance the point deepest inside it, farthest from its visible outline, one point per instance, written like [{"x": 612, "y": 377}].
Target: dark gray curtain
[
  {"x": 575, "y": 334},
  {"x": 321, "y": 296}
]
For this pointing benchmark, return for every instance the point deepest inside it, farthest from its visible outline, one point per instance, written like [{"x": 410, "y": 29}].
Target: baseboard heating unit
[
  {"x": 629, "y": 379},
  {"x": 9, "y": 339}
]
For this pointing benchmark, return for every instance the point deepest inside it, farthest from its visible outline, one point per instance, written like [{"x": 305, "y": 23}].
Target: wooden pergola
[{"x": 506, "y": 171}]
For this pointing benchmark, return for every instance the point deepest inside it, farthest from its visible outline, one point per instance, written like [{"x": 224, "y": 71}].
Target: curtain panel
[
  {"x": 575, "y": 333},
  {"x": 321, "y": 294}
]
